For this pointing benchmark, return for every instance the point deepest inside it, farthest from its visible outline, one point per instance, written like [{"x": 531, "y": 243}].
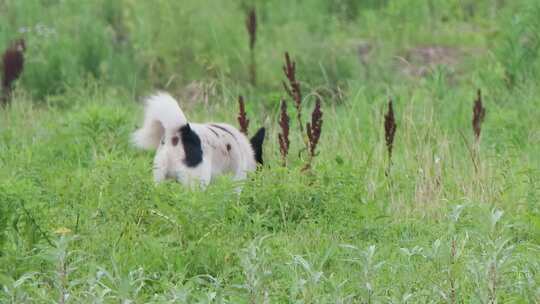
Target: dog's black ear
[
  {"x": 256, "y": 143},
  {"x": 192, "y": 146}
]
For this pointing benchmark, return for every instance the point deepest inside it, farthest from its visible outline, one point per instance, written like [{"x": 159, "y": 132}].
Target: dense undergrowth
[{"x": 81, "y": 220}]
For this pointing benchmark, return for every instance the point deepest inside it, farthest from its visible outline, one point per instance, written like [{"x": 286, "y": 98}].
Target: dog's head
[{"x": 191, "y": 143}]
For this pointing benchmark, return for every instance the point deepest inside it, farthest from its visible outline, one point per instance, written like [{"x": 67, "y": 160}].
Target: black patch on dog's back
[
  {"x": 213, "y": 131},
  {"x": 256, "y": 143},
  {"x": 192, "y": 146},
  {"x": 224, "y": 129}
]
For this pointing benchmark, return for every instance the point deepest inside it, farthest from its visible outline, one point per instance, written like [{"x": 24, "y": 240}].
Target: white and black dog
[{"x": 193, "y": 153}]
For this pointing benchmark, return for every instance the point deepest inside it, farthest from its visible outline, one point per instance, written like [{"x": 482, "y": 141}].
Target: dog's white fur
[{"x": 224, "y": 148}]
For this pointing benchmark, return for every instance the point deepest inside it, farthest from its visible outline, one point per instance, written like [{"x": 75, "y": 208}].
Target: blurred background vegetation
[{"x": 203, "y": 45}]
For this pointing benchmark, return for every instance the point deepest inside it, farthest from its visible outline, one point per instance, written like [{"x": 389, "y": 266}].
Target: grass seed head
[
  {"x": 389, "y": 128},
  {"x": 479, "y": 113},
  {"x": 243, "y": 121}
]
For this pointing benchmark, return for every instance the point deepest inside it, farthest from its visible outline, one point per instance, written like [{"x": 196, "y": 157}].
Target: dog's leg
[
  {"x": 239, "y": 176},
  {"x": 160, "y": 167},
  {"x": 159, "y": 175},
  {"x": 199, "y": 176},
  {"x": 205, "y": 173}
]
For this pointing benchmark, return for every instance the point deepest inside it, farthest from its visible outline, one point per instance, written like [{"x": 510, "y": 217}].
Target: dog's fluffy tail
[{"x": 161, "y": 114}]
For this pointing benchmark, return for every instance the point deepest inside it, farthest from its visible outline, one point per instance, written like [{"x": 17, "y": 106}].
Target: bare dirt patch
[{"x": 420, "y": 61}]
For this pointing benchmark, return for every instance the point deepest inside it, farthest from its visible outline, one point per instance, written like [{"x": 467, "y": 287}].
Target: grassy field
[{"x": 81, "y": 220}]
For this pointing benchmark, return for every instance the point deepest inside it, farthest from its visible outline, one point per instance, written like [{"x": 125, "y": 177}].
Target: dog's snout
[{"x": 175, "y": 140}]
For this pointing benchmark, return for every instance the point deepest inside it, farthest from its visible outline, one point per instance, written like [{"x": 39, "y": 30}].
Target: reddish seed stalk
[
  {"x": 283, "y": 137},
  {"x": 251, "y": 27},
  {"x": 13, "y": 64},
  {"x": 453, "y": 253},
  {"x": 314, "y": 128},
  {"x": 479, "y": 113},
  {"x": 389, "y": 128},
  {"x": 293, "y": 88},
  {"x": 243, "y": 121}
]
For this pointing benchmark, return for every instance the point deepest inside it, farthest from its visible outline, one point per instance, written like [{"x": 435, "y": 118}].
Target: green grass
[{"x": 81, "y": 217}]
